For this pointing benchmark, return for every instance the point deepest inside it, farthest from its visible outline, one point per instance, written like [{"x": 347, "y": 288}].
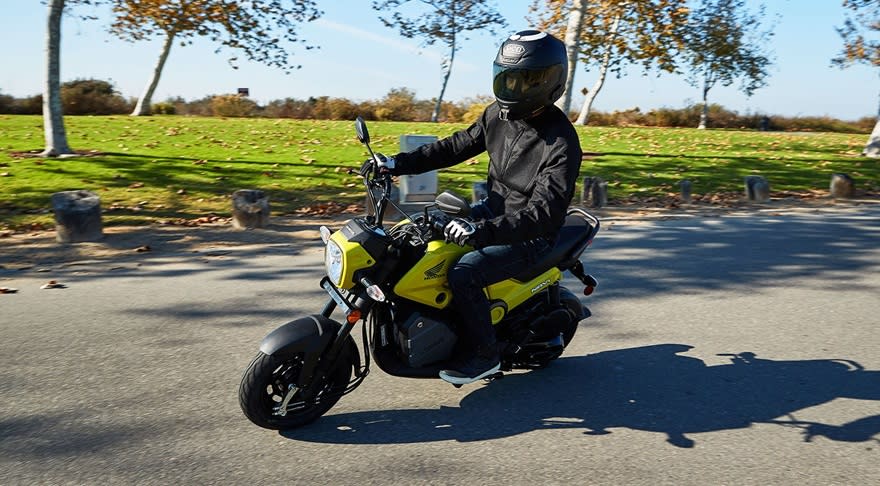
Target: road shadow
[
  {"x": 730, "y": 253},
  {"x": 136, "y": 250},
  {"x": 650, "y": 388}
]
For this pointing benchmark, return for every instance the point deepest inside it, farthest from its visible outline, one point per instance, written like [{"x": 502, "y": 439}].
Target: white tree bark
[
  {"x": 704, "y": 114},
  {"x": 144, "y": 104},
  {"x": 53, "y": 115},
  {"x": 584, "y": 116},
  {"x": 572, "y": 48},
  {"x": 447, "y": 70},
  {"x": 872, "y": 149}
]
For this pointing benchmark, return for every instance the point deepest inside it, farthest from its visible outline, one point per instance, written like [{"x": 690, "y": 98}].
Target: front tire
[{"x": 268, "y": 379}]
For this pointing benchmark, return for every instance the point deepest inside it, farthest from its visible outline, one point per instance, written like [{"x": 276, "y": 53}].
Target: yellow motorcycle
[{"x": 393, "y": 279}]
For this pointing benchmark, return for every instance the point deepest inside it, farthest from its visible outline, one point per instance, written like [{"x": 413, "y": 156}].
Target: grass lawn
[{"x": 149, "y": 169}]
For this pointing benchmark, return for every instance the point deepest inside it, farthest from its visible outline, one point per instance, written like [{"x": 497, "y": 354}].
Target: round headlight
[{"x": 333, "y": 262}]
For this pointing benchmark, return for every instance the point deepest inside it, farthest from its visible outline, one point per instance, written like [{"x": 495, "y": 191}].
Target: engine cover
[{"x": 424, "y": 341}]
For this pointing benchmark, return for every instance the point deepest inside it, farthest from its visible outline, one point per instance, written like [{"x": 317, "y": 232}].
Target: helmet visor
[{"x": 518, "y": 84}]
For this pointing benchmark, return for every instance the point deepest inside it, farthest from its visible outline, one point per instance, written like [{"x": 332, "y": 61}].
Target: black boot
[{"x": 485, "y": 362}]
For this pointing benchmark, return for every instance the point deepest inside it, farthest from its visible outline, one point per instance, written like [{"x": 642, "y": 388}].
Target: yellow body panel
[
  {"x": 354, "y": 258},
  {"x": 514, "y": 293},
  {"x": 426, "y": 283}
]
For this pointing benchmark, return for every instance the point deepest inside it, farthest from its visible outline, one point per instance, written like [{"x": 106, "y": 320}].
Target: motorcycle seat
[{"x": 576, "y": 233}]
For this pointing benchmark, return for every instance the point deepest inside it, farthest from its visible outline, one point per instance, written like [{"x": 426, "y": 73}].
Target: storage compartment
[{"x": 424, "y": 341}]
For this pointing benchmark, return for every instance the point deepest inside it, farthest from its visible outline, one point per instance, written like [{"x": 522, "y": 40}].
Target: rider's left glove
[{"x": 461, "y": 232}]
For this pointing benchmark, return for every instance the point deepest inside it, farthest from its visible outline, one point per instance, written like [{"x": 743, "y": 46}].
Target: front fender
[{"x": 308, "y": 334}]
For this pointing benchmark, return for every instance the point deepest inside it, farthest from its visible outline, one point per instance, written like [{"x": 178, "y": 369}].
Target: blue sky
[{"x": 361, "y": 59}]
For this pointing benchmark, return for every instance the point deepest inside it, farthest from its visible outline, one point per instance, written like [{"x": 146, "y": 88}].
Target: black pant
[{"x": 479, "y": 269}]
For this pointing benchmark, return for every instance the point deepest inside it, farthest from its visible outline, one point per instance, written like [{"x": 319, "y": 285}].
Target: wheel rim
[{"x": 282, "y": 379}]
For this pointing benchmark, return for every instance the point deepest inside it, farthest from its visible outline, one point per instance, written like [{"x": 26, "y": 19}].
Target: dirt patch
[
  {"x": 131, "y": 244},
  {"x": 121, "y": 244}
]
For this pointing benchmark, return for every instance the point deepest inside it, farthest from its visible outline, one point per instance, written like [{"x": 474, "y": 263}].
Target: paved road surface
[{"x": 734, "y": 350}]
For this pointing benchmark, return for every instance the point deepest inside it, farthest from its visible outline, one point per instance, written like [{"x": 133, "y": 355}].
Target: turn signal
[
  {"x": 353, "y": 316},
  {"x": 325, "y": 234}
]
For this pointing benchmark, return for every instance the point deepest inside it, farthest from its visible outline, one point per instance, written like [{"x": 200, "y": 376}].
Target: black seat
[{"x": 574, "y": 236}]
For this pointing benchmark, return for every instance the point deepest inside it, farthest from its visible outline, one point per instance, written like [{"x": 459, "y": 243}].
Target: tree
[
  {"x": 724, "y": 43},
  {"x": 861, "y": 45},
  {"x": 617, "y": 33},
  {"x": 258, "y": 29},
  {"x": 446, "y": 21},
  {"x": 53, "y": 116}
]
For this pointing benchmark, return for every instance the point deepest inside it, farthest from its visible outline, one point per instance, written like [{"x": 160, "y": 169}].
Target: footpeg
[{"x": 494, "y": 377}]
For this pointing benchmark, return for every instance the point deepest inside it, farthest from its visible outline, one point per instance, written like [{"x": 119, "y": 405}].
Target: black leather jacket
[{"x": 533, "y": 167}]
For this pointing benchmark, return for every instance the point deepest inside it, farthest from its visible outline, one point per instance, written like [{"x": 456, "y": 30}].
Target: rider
[{"x": 534, "y": 160}]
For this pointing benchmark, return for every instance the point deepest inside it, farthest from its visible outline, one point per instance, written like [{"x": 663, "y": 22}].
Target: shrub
[
  {"x": 233, "y": 106},
  {"x": 92, "y": 97}
]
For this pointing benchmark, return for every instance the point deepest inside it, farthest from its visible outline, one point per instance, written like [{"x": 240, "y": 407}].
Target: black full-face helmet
[{"x": 529, "y": 73}]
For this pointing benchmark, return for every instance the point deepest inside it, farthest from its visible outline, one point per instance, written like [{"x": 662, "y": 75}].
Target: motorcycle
[{"x": 393, "y": 278}]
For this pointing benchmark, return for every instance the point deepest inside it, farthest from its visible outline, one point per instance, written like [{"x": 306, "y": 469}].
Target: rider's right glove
[
  {"x": 380, "y": 163},
  {"x": 461, "y": 232}
]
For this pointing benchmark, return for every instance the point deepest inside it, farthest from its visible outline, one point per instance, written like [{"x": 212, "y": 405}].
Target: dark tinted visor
[{"x": 516, "y": 84}]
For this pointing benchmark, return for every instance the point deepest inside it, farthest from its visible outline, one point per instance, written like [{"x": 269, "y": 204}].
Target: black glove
[{"x": 461, "y": 232}]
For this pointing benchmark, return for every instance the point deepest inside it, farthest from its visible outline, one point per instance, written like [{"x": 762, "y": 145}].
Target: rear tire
[{"x": 266, "y": 381}]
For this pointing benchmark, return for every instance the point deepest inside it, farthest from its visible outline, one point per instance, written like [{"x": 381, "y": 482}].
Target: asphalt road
[{"x": 731, "y": 350}]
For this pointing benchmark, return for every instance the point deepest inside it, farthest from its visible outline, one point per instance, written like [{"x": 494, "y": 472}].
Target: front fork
[{"x": 318, "y": 365}]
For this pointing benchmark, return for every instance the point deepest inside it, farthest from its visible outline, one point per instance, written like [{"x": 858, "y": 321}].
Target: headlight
[{"x": 333, "y": 262}]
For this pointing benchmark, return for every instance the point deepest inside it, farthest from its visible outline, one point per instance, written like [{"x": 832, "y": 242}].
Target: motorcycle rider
[{"x": 534, "y": 162}]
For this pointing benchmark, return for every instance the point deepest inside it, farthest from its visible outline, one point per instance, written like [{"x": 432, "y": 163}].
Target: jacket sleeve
[
  {"x": 456, "y": 148},
  {"x": 545, "y": 212}
]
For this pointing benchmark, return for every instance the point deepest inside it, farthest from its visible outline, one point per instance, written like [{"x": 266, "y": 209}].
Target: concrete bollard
[
  {"x": 77, "y": 216},
  {"x": 480, "y": 191},
  {"x": 685, "y": 190},
  {"x": 594, "y": 193},
  {"x": 842, "y": 186},
  {"x": 757, "y": 189},
  {"x": 250, "y": 209}
]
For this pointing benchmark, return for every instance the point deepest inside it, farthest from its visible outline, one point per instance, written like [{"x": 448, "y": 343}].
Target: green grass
[{"x": 164, "y": 167}]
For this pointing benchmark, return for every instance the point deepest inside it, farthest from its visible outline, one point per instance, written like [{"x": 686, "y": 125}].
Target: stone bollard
[
  {"x": 250, "y": 209},
  {"x": 842, "y": 186},
  {"x": 685, "y": 191},
  {"x": 480, "y": 191},
  {"x": 757, "y": 189},
  {"x": 77, "y": 216},
  {"x": 595, "y": 192}
]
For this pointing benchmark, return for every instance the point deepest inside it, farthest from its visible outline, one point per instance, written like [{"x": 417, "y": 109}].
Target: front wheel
[{"x": 268, "y": 394}]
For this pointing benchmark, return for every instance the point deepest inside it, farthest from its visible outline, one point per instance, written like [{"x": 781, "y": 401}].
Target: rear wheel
[{"x": 268, "y": 394}]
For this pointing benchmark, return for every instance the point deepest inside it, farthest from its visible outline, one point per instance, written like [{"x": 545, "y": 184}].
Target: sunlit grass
[{"x": 163, "y": 167}]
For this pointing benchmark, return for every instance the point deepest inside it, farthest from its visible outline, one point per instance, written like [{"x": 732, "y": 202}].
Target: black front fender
[{"x": 308, "y": 334}]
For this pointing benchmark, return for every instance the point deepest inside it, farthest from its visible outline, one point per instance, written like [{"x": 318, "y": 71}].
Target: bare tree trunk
[
  {"x": 144, "y": 104},
  {"x": 572, "y": 45},
  {"x": 447, "y": 70},
  {"x": 704, "y": 114},
  {"x": 603, "y": 71},
  {"x": 53, "y": 114},
  {"x": 872, "y": 149}
]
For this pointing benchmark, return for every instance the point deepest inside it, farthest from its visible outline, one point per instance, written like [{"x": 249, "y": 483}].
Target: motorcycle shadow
[{"x": 650, "y": 388}]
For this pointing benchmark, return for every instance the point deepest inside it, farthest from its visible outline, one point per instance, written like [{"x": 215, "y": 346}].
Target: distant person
[{"x": 534, "y": 162}]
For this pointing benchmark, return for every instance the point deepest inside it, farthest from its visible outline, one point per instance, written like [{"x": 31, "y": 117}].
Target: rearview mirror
[
  {"x": 360, "y": 126},
  {"x": 451, "y": 203}
]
